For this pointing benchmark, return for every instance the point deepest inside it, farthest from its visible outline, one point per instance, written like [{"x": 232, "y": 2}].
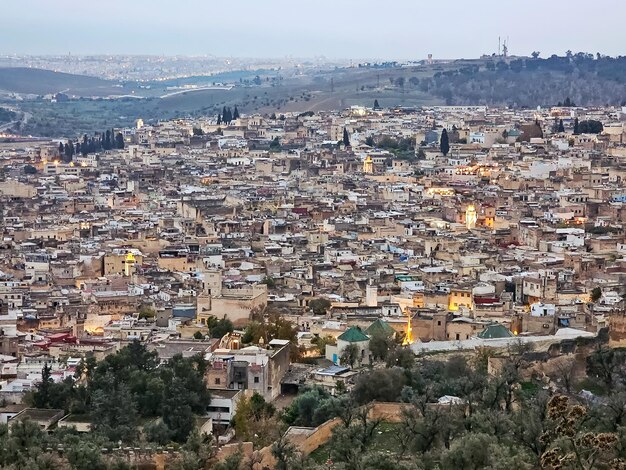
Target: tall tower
[
  {"x": 371, "y": 295},
  {"x": 470, "y": 217},
  {"x": 368, "y": 165},
  {"x": 129, "y": 264},
  {"x": 212, "y": 284}
]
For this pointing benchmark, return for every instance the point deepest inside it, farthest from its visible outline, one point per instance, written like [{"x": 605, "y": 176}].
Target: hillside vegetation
[{"x": 586, "y": 79}]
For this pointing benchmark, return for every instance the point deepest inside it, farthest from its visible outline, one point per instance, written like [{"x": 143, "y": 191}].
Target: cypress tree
[
  {"x": 119, "y": 141},
  {"x": 107, "y": 141},
  {"x": 219, "y": 119},
  {"x": 376, "y": 105},
  {"x": 444, "y": 144},
  {"x": 561, "y": 126},
  {"x": 346, "y": 138},
  {"x": 576, "y": 127},
  {"x": 236, "y": 113}
]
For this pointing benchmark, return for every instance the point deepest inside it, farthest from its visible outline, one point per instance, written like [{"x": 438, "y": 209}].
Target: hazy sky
[{"x": 394, "y": 29}]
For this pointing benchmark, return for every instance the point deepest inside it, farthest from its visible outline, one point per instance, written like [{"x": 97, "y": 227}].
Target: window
[
  {"x": 218, "y": 381},
  {"x": 256, "y": 380},
  {"x": 458, "y": 336},
  {"x": 439, "y": 323}
]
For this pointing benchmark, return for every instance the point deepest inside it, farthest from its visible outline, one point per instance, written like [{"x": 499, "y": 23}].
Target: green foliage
[
  {"x": 146, "y": 312},
  {"x": 444, "y": 143},
  {"x": 312, "y": 407},
  {"x": 218, "y": 328},
  {"x": 251, "y": 414},
  {"x": 381, "y": 345},
  {"x": 590, "y": 127},
  {"x": 350, "y": 355},
  {"x": 319, "y": 306},
  {"x": 275, "y": 144},
  {"x": 198, "y": 335},
  {"x": 29, "y": 170},
  {"x": 401, "y": 357},
  {"x": 607, "y": 365},
  {"x": 6, "y": 115},
  {"x": 274, "y": 326},
  {"x": 346, "y": 138},
  {"x": 596, "y": 293},
  {"x": 128, "y": 386},
  {"x": 379, "y": 385},
  {"x": 269, "y": 281},
  {"x": 323, "y": 341}
]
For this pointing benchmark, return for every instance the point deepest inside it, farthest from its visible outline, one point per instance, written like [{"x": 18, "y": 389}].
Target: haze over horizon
[{"x": 346, "y": 29}]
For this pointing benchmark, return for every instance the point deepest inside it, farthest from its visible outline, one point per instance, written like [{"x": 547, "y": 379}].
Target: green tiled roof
[
  {"x": 353, "y": 335},
  {"x": 495, "y": 331},
  {"x": 380, "y": 327}
]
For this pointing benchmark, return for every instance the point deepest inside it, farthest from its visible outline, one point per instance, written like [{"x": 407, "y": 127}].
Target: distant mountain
[{"x": 41, "y": 82}]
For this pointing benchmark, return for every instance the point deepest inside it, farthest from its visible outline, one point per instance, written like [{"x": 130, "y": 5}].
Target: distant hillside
[
  {"x": 586, "y": 79},
  {"x": 42, "y": 82},
  {"x": 515, "y": 82}
]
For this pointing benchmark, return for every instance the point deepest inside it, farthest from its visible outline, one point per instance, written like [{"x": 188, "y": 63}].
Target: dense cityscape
[
  {"x": 312, "y": 236},
  {"x": 370, "y": 261}
]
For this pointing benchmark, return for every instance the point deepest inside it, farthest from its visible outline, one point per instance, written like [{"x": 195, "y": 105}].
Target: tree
[
  {"x": 219, "y": 119},
  {"x": 346, "y": 138},
  {"x": 198, "y": 335},
  {"x": 146, "y": 312},
  {"x": 275, "y": 144},
  {"x": 350, "y": 355},
  {"x": 158, "y": 432},
  {"x": 376, "y": 105},
  {"x": 324, "y": 341},
  {"x": 119, "y": 141},
  {"x": 576, "y": 128},
  {"x": 283, "y": 451},
  {"x": 197, "y": 131},
  {"x": 29, "y": 170},
  {"x": 319, "y": 306},
  {"x": 590, "y": 127},
  {"x": 561, "y": 127},
  {"x": 69, "y": 151},
  {"x": 184, "y": 394},
  {"x": 605, "y": 364},
  {"x": 401, "y": 357},
  {"x": 269, "y": 281},
  {"x": 380, "y": 345},
  {"x": 444, "y": 144},
  {"x": 236, "y": 113},
  {"x": 219, "y": 328},
  {"x": 108, "y": 142},
  {"x": 535, "y": 54},
  {"x": 380, "y": 385},
  {"x": 596, "y": 293},
  {"x": 114, "y": 414},
  {"x": 42, "y": 395},
  {"x": 312, "y": 407}
]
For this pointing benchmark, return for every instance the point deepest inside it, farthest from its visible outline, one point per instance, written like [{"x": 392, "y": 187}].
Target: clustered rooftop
[{"x": 339, "y": 221}]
